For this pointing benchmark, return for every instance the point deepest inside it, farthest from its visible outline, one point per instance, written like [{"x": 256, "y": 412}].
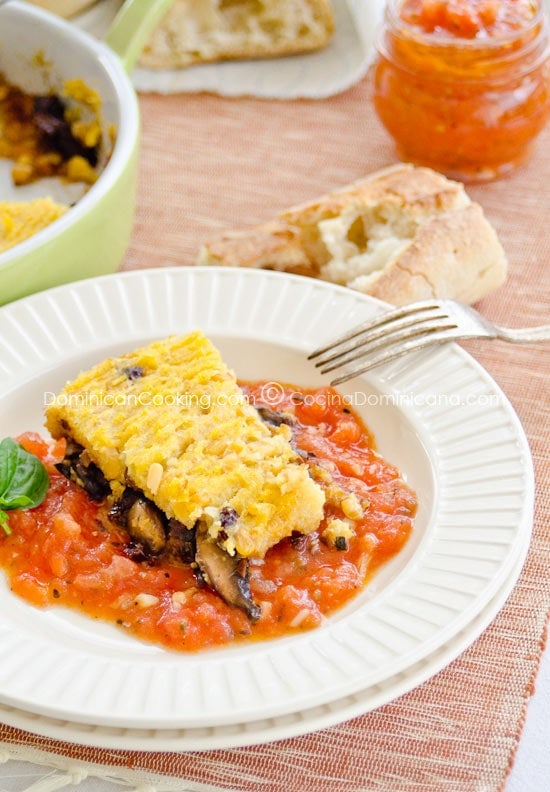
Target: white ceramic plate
[
  {"x": 438, "y": 416},
  {"x": 238, "y": 735},
  {"x": 313, "y": 75}
]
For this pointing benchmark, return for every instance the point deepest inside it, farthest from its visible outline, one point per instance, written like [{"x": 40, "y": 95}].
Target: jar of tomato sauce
[{"x": 463, "y": 86}]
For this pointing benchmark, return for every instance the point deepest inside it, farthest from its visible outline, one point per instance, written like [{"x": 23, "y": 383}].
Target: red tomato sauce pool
[{"x": 62, "y": 552}]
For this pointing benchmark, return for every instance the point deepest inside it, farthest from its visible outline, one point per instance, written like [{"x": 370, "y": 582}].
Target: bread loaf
[
  {"x": 201, "y": 31},
  {"x": 402, "y": 234},
  {"x": 64, "y": 8}
]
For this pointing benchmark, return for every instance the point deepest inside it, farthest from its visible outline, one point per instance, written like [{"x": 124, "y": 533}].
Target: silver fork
[{"x": 409, "y": 328}]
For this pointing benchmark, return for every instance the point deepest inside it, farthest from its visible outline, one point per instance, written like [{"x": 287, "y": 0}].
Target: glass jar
[{"x": 468, "y": 106}]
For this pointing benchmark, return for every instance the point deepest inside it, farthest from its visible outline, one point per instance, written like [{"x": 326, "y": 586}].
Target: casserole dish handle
[{"x": 131, "y": 27}]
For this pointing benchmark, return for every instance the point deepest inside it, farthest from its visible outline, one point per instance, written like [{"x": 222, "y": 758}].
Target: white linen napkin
[{"x": 311, "y": 76}]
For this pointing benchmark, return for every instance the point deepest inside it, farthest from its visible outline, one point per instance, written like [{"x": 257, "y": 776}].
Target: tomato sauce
[
  {"x": 464, "y": 86},
  {"x": 62, "y": 551}
]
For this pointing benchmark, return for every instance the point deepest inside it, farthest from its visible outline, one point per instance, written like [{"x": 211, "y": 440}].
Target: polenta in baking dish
[
  {"x": 51, "y": 135},
  {"x": 194, "y": 510}
]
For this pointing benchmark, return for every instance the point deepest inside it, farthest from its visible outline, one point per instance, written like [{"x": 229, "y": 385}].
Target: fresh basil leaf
[
  {"x": 24, "y": 480},
  {"x": 20, "y": 502},
  {"x": 4, "y": 522}
]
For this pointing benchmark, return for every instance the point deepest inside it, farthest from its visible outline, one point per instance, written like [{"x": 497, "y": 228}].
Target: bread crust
[
  {"x": 457, "y": 256},
  {"x": 64, "y": 8},
  {"x": 427, "y": 239},
  {"x": 202, "y": 31}
]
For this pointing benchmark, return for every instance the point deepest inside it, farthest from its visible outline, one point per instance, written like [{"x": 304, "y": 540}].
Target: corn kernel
[
  {"x": 79, "y": 169},
  {"x": 146, "y": 600}
]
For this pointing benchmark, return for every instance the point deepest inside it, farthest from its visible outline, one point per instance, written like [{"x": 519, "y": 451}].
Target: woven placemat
[{"x": 210, "y": 164}]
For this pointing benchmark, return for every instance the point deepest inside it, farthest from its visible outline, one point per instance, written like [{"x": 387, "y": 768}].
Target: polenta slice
[{"x": 166, "y": 435}]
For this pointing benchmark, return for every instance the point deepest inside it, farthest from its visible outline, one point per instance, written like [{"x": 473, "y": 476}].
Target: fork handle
[{"x": 526, "y": 335}]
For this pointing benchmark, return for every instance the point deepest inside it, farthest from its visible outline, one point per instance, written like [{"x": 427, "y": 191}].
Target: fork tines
[{"x": 394, "y": 327}]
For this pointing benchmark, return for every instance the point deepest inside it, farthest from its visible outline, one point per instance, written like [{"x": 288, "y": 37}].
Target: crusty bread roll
[
  {"x": 64, "y": 8},
  {"x": 201, "y": 31},
  {"x": 402, "y": 234}
]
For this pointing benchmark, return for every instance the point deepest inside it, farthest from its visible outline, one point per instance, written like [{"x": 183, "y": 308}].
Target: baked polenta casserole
[{"x": 185, "y": 463}]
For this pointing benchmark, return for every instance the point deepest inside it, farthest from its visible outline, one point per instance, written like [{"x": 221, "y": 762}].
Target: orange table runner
[{"x": 209, "y": 164}]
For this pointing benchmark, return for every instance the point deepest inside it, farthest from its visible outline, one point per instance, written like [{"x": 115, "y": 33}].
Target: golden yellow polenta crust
[{"x": 187, "y": 417}]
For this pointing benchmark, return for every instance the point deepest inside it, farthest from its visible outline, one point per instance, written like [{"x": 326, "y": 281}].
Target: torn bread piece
[
  {"x": 185, "y": 463},
  {"x": 402, "y": 234},
  {"x": 64, "y": 8},
  {"x": 203, "y": 31}
]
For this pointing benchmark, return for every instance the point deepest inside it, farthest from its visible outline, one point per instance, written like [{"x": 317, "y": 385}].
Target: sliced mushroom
[
  {"x": 225, "y": 574},
  {"x": 145, "y": 524},
  {"x": 118, "y": 513},
  {"x": 55, "y": 131},
  {"x": 275, "y": 417},
  {"x": 180, "y": 543},
  {"x": 77, "y": 467}
]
